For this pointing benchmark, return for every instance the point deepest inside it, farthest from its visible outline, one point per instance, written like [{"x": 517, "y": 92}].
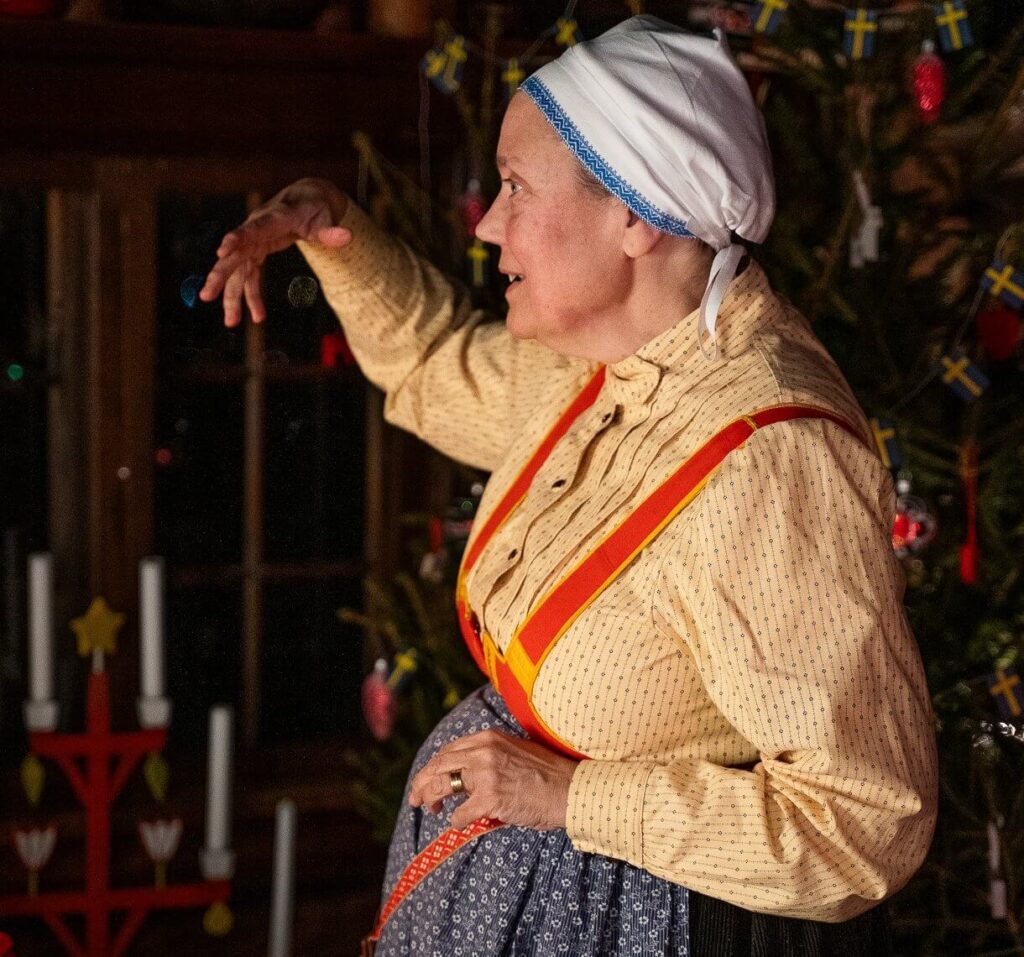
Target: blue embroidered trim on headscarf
[{"x": 597, "y": 165}]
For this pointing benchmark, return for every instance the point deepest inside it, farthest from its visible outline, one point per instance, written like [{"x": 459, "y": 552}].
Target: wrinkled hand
[
  {"x": 307, "y": 209},
  {"x": 513, "y": 779}
]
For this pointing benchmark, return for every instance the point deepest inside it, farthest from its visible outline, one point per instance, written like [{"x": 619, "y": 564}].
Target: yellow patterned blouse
[{"x": 748, "y": 689}]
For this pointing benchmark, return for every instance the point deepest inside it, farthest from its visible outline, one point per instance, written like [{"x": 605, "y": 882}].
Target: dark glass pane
[
  {"x": 23, "y": 372},
  {"x": 199, "y": 410},
  {"x": 312, "y": 662},
  {"x": 203, "y": 663}
]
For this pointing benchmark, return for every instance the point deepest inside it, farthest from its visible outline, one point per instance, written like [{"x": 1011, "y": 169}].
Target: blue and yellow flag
[
  {"x": 954, "y": 27},
  {"x": 768, "y": 15},
  {"x": 433, "y": 64},
  {"x": 512, "y": 76},
  {"x": 455, "y": 52},
  {"x": 405, "y": 666},
  {"x": 962, "y": 375},
  {"x": 1002, "y": 280},
  {"x": 567, "y": 32},
  {"x": 478, "y": 256},
  {"x": 859, "y": 33},
  {"x": 443, "y": 65},
  {"x": 1004, "y": 685},
  {"x": 885, "y": 439}
]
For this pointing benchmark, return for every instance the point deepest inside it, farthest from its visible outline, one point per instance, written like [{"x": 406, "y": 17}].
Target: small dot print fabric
[
  {"x": 519, "y": 891},
  {"x": 748, "y": 691}
]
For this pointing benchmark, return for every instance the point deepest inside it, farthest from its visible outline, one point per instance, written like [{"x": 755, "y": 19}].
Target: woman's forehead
[{"x": 526, "y": 137}]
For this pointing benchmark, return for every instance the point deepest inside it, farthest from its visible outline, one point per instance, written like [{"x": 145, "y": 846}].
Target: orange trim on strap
[{"x": 517, "y": 489}]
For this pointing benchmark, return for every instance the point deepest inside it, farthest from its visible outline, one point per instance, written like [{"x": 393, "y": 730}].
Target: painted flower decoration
[
  {"x": 35, "y": 847},
  {"x": 160, "y": 839}
]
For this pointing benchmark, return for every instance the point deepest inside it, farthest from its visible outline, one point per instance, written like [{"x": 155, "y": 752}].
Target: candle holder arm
[{"x": 63, "y": 934}]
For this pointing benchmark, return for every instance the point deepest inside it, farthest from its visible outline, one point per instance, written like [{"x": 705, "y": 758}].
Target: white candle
[
  {"x": 218, "y": 779},
  {"x": 282, "y": 905},
  {"x": 151, "y": 618},
  {"x": 993, "y": 848},
  {"x": 40, "y": 603}
]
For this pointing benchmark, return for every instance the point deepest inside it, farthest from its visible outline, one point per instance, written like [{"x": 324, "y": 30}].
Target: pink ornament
[
  {"x": 473, "y": 207},
  {"x": 379, "y": 701},
  {"x": 929, "y": 83}
]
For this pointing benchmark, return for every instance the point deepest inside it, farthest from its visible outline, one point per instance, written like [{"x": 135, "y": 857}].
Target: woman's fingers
[
  {"x": 233, "y": 289},
  {"x": 468, "y": 812},
  {"x": 218, "y": 275},
  {"x": 254, "y": 297},
  {"x": 302, "y": 210},
  {"x": 429, "y": 789}
]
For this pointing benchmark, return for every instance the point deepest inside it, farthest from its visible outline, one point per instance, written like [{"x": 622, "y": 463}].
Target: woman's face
[{"x": 564, "y": 241}]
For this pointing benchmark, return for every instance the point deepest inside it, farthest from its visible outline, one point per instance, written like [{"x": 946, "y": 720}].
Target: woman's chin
[{"x": 518, "y": 323}]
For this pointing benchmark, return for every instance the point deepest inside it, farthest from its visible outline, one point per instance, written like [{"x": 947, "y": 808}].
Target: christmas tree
[{"x": 898, "y": 141}]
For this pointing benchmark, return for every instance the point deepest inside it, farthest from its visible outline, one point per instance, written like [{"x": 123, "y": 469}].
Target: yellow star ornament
[{"x": 97, "y": 629}]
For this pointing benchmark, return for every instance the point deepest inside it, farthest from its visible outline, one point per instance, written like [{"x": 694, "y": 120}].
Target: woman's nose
[{"x": 489, "y": 228}]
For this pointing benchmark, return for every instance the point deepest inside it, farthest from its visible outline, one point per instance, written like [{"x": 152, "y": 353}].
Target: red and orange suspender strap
[{"x": 515, "y": 671}]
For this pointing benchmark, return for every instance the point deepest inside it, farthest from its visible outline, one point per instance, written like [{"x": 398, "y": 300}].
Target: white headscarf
[{"x": 665, "y": 120}]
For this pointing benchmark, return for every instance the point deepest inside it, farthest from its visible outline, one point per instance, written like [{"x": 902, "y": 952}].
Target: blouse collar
[{"x": 676, "y": 352}]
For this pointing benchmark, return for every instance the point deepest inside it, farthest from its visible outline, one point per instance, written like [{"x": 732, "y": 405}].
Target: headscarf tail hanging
[{"x": 723, "y": 270}]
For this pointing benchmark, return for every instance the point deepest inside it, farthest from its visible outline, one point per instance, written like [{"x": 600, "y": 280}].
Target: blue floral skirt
[{"x": 519, "y": 891}]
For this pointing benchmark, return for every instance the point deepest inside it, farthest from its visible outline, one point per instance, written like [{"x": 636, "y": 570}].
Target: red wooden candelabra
[{"x": 108, "y": 760}]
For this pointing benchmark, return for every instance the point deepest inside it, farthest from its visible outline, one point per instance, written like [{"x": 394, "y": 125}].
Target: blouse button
[
  {"x": 558, "y": 484},
  {"x": 512, "y": 554}
]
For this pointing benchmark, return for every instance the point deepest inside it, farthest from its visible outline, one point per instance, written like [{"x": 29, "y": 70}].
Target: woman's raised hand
[{"x": 307, "y": 209}]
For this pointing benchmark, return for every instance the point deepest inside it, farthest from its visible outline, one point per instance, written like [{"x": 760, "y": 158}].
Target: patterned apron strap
[{"x": 431, "y": 857}]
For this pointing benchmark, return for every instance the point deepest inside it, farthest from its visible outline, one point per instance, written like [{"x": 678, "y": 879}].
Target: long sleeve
[
  {"x": 783, "y": 587},
  {"x": 452, "y": 375}
]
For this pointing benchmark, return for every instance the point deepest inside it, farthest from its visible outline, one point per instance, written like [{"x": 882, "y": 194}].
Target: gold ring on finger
[{"x": 455, "y": 779}]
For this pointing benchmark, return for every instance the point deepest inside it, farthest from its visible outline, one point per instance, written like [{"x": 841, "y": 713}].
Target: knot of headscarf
[{"x": 666, "y": 121}]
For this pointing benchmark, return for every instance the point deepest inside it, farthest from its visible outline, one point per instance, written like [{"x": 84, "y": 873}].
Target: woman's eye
[{"x": 511, "y": 183}]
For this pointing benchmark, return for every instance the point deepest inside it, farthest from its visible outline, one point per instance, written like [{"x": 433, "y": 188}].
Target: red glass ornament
[
  {"x": 929, "y": 83},
  {"x": 969, "y": 563},
  {"x": 913, "y": 526},
  {"x": 333, "y": 347},
  {"x": 379, "y": 701},
  {"x": 968, "y": 465},
  {"x": 999, "y": 329},
  {"x": 435, "y": 531},
  {"x": 473, "y": 207}
]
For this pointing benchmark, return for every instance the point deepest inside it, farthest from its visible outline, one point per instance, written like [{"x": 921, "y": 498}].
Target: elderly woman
[{"x": 706, "y": 727}]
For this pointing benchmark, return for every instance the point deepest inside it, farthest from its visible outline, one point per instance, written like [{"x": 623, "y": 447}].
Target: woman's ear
[{"x": 639, "y": 237}]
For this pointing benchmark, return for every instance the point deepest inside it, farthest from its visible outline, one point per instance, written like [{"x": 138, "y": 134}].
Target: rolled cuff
[{"x": 606, "y": 804}]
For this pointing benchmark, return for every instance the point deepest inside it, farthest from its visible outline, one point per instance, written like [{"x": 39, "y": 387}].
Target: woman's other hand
[
  {"x": 307, "y": 209},
  {"x": 513, "y": 779}
]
